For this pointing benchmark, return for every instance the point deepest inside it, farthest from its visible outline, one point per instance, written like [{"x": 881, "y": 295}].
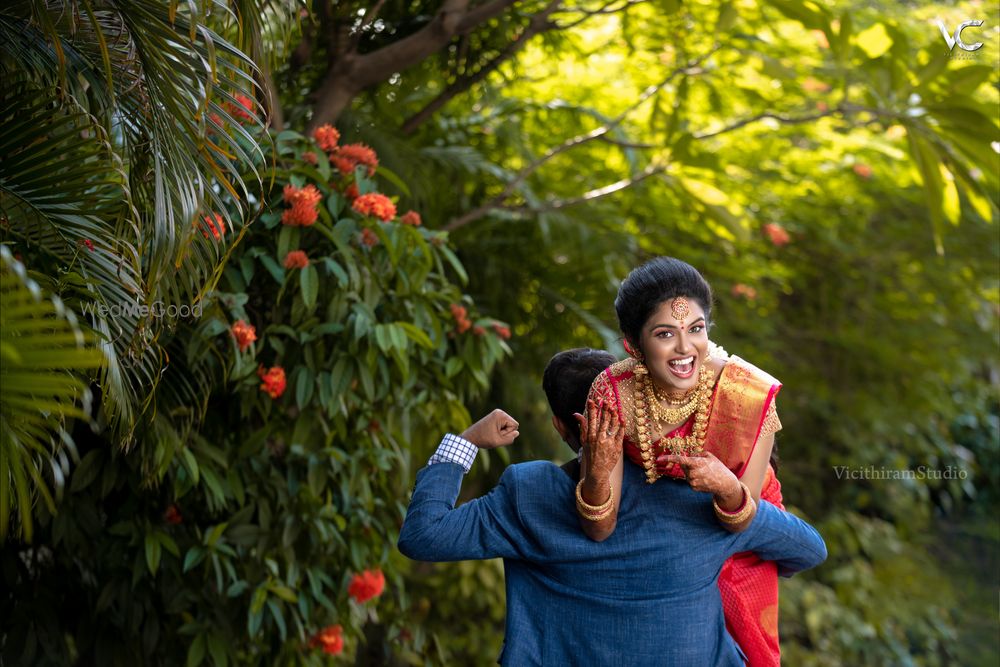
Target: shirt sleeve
[
  {"x": 455, "y": 449},
  {"x": 780, "y": 536},
  {"x": 486, "y": 527}
]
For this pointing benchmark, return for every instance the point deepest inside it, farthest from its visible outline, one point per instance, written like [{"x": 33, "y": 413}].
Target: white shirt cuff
[{"x": 455, "y": 449}]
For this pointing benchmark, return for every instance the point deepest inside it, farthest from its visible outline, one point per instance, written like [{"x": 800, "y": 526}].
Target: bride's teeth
[{"x": 682, "y": 362}]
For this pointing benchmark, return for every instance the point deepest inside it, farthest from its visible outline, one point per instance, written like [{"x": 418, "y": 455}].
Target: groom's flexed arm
[
  {"x": 784, "y": 538},
  {"x": 487, "y": 527}
]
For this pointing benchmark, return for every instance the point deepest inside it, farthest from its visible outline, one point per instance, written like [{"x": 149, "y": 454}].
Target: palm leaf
[
  {"x": 119, "y": 131},
  {"x": 42, "y": 353}
]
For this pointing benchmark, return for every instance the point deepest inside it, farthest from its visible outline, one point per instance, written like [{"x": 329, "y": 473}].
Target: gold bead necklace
[{"x": 648, "y": 410}]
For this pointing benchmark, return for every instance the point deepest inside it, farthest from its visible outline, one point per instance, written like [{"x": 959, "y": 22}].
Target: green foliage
[
  {"x": 237, "y": 541},
  {"x": 41, "y": 349}
]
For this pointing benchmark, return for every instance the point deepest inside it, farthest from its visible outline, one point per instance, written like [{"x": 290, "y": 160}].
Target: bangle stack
[
  {"x": 745, "y": 511},
  {"x": 595, "y": 512}
]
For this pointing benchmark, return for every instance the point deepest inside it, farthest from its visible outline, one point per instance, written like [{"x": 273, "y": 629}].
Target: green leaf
[
  {"x": 309, "y": 284},
  {"x": 152, "y": 553},
  {"x": 304, "y": 383},
  {"x": 194, "y": 556},
  {"x": 196, "y": 652},
  {"x": 279, "y": 618},
  {"x": 874, "y": 41}
]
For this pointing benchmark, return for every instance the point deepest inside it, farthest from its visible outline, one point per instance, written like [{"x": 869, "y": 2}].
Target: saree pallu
[{"x": 742, "y": 405}]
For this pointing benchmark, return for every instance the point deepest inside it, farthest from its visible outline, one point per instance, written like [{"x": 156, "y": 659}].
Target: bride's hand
[
  {"x": 601, "y": 435},
  {"x": 706, "y": 473}
]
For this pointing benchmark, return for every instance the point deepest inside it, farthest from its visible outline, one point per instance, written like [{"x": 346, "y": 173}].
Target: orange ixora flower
[
  {"x": 173, "y": 515},
  {"x": 501, "y": 330},
  {"x": 89, "y": 244},
  {"x": 776, "y": 234},
  {"x": 309, "y": 157},
  {"x": 243, "y": 108},
  {"x": 213, "y": 223},
  {"x": 330, "y": 639},
  {"x": 367, "y": 585},
  {"x": 745, "y": 291},
  {"x": 863, "y": 170},
  {"x": 376, "y": 205},
  {"x": 303, "y": 201},
  {"x": 462, "y": 322},
  {"x": 296, "y": 259},
  {"x": 368, "y": 237},
  {"x": 352, "y": 192},
  {"x": 244, "y": 333},
  {"x": 273, "y": 380},
  {"x": 411, "y": 218},
  {"x": 350, "y": 156},
  {"x": 326, "y": 137}
]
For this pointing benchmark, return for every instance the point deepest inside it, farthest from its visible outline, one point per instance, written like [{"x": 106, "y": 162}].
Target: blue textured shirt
[{"x": 648, "y": 595}]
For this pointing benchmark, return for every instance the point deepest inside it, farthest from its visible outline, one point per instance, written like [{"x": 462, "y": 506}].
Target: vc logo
[{"x": 956, "y": 38}]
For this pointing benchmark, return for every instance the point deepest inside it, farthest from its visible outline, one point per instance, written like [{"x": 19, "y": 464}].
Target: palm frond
[{"x": 43, "y": 351}]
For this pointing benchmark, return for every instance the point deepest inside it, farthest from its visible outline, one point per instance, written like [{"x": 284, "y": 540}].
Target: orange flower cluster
[
  {"x": 501, "y": 330},
  {"x": 349, "y": 156},
  {"x": 368, "y": 237},
  {"x": 411, "y": 218},
  {"x": 478, "y": 330},
  {"x": 326, "y": 137},
  {"x": 330, "y": 639},
  {"x": 242, "y": 110},
  {"x": 745, "y": 291},
  {"x": 811, "y": 85},
  {"x": 376, "y": 205},
  {"x": 462, "y": 322},
  {"x": 303, "y": 202},
  {"x": 89, "y": 244},
  {"x": 216, "y": 226},
  {"x": 367, "y": 585},
  {"x": 296, "y": 259},
  {"x": 244, "y": 333},
  {"x": 352, "y": 192},
  {"x": 863, "y": 170},
  {"x": 273, "y": 381},
  {"x": 776, "y": 234},
  {"x": 173, "y": 515},
  {"x": 310, "y": 158}
]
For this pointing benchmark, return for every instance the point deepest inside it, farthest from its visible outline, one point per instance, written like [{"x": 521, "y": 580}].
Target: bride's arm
[{"x": 598, "y": 493}]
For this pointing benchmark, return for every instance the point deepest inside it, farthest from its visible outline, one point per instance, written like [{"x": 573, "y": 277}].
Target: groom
[{"x": 647, "y": 595}]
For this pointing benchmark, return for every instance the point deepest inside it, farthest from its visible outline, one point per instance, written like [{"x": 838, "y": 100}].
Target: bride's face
[{"x": 674, "y": 343}]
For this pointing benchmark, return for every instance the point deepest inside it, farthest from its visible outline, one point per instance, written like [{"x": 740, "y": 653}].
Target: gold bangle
[
  {"x": 745, "y": 511},
  {"x": 595, "y": 512}
]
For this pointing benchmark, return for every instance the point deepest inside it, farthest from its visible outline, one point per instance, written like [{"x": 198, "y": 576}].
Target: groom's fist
[{"x": 497, "y": 429}]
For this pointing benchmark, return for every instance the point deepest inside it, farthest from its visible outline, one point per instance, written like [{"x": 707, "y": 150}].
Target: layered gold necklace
[{"x": 650, "y": 412}]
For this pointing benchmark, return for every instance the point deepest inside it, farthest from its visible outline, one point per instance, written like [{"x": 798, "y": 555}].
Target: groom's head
[{"x": 566, "y": 383}]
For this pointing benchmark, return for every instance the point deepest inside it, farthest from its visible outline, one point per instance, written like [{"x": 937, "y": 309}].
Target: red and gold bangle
[
  {"x": 595, "y": 512},
  {"x": 740, "y": 515}
]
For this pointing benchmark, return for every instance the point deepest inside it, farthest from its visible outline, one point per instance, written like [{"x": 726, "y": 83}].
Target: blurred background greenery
[{"x": 832, "y": 168}]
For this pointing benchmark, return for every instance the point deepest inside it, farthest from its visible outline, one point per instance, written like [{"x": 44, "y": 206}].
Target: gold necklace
[
  {"x": 667, "y": 415},
  {"x": 684, "y": 444}
]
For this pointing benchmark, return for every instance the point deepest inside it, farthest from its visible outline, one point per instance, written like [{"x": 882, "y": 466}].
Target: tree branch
[
  {"x": 350, "y": 72},
  {"x": 597, "y": 133},
  {"x": 539, "y": 23}
]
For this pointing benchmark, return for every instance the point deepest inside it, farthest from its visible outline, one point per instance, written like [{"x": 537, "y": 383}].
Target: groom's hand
[{"x": 497, "y": 429}]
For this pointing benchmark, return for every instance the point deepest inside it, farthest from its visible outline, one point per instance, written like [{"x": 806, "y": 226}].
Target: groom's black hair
[{"x": 567, "y": 379}]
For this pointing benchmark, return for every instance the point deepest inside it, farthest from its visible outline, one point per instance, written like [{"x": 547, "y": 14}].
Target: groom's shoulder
[{"x": 535, "y": 472}]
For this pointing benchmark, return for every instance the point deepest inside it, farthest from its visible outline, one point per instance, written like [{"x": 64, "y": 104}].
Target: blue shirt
[{"x": 648, "y": 595}]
